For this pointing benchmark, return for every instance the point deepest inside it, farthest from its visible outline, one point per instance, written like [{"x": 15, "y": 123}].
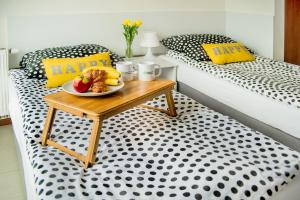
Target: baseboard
[{"x": 4, "y": 122}]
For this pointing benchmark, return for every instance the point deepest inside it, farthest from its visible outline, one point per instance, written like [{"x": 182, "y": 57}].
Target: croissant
[
  {"x": 95, "y": 75},
  {"x": 99, "y": 87}
]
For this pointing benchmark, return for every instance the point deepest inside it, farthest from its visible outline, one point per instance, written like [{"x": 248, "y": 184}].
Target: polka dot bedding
[
  {"x": 279, "y": 81},
  {"x": 190, "y": 44},
  {"x": 145, "y": 154},
  {"x": 33, "y": 65}
]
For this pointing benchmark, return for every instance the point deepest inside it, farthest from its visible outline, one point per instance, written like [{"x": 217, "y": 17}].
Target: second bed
[{"x": 224, "y": 88}]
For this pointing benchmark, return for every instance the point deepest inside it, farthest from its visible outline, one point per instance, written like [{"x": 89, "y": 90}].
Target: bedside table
[{"x": 168, "y": 70}]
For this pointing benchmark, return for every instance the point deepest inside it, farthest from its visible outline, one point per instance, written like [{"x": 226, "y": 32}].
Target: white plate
[{"x": 68, "y": 87}]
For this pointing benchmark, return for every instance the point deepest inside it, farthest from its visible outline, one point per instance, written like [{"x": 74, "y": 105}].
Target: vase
[{"x": 128, "y": 52}]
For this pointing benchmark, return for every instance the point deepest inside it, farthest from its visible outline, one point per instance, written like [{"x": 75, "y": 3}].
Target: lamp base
[{"x": 149, "y": 55}]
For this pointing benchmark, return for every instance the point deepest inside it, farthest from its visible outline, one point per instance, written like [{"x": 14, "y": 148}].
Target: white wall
[
  {"x": 34, "y": 7},
  {"x": 29, "y": 33},
  {"x": 279, "y": 30},
  {"x": 257, "y": 23},
  {"x": 3, "y": 32},
  {"x": 252, "y": 22},
  {"x": 33, "y": 24},
  {"x": 265, "y": 7}
]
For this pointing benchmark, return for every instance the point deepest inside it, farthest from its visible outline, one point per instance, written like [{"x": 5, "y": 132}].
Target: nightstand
[{"x": 169, "y": 70}]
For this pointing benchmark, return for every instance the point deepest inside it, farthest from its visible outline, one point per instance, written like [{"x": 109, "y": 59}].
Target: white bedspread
[
  {"x": 273, "y": 79},
  {"x": 249, "y": 100},
  {"x": 145, "y": 154}
]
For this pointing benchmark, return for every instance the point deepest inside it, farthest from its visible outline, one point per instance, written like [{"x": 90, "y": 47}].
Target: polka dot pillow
[
  {"x": 193, "y": 48},
  {"x": 33, "y": 65},
  {"x": 175, "y": 43},
  {"x": 190, "y": 44}
]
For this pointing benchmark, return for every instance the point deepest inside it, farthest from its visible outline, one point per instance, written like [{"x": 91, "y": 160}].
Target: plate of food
[{"x": 95, "y": 81}]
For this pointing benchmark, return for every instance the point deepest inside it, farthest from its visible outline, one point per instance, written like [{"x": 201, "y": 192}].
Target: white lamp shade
[{"x": 149, "y": 39}]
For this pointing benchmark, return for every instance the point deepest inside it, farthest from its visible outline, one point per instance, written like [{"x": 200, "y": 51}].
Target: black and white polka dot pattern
[
  {"x": 175, "y": 43},
  {"x": 33, "y": 65},
  {"x": 190, "y": 44},
  {"x": 279, "y": 81},
  {"x": 145, "y": 154}
]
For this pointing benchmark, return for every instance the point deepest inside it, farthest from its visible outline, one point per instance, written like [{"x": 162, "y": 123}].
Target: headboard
[{"x": 33, "y": 32}]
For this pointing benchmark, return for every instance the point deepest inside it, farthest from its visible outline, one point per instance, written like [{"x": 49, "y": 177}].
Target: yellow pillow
[
  {"x": 61, "y": 70},
  {"x": 227, "y": 53}
]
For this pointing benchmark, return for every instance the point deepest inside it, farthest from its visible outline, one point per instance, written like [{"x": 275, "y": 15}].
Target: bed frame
[{"x": 255, "y": 124}]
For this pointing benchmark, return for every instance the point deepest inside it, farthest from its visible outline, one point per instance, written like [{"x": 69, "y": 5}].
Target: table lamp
[{"x": 149, "y": 39}]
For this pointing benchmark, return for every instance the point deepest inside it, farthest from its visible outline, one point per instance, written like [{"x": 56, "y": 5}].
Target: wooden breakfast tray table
[{"x": 134, "y": 93}]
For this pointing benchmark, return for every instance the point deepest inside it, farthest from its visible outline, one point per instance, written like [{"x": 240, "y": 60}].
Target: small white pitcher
[
  {"x": 126, "y": 69},
  {"x": 147, "y": 71}
]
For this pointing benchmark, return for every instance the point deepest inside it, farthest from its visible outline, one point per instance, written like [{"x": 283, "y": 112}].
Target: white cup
[
  {"x": 147, "y": 71},
  {"x": 126, "y": 69}
]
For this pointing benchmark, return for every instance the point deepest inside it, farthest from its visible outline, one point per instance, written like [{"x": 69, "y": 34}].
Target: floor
[{"x": 11, "y": 180}]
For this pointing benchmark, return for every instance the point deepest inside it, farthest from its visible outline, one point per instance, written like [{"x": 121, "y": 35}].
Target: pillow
[
  {"x": 33, "y": 65},
  {"x": 190, "y": 44},
  {"x": 227, "y": 53},
  {"x": 179, "y": 43},
  {"x": 194, "y": 50},
  {"x": 175, "y": 43},
  {"x": 61, "y": 70}
]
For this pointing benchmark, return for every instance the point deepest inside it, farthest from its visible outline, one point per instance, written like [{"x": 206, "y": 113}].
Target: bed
[
  {"x": 144, "y": 154},
  {"x": 270, "y": 99}
]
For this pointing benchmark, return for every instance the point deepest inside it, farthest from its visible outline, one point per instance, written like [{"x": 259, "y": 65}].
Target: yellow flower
[
  {"x": 138, "y": 23},
  {"x": 130, "y": 23},
  {"x": 127, "y": 22}
]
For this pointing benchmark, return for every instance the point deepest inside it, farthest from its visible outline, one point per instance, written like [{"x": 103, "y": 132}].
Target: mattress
[
  {"x": 16, "y": 117},
  {"x": 144, "y": 154},
  {"x": 275, "y": 113}
]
